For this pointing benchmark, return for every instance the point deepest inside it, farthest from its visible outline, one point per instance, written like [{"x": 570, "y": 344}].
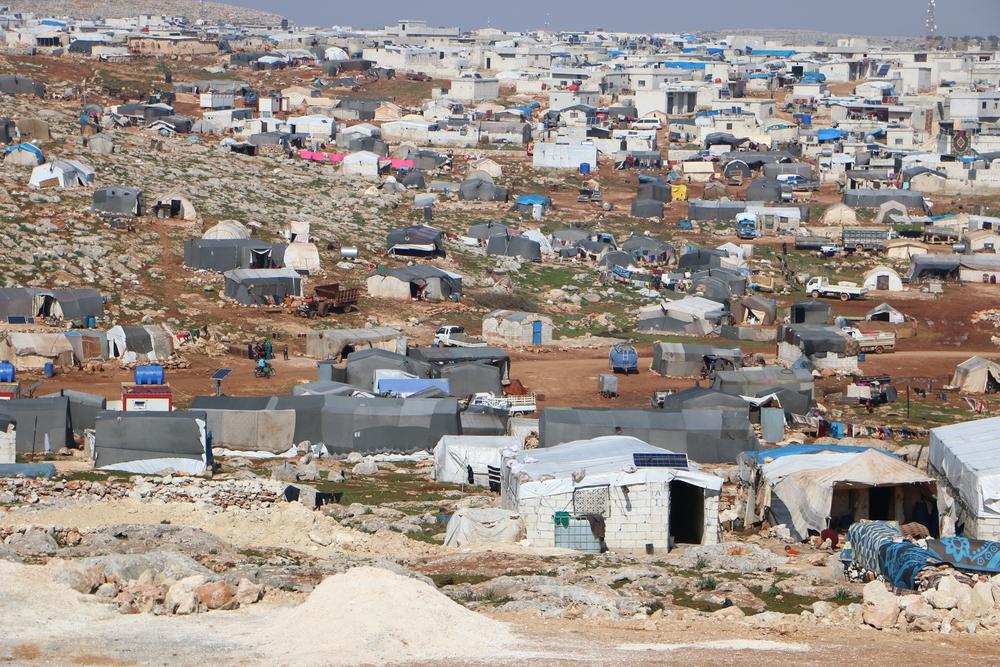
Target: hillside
[{"x": 123, "y": 8}]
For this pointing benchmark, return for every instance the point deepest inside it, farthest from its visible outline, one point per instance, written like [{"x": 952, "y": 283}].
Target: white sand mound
[{"x": 372, "y": 615}]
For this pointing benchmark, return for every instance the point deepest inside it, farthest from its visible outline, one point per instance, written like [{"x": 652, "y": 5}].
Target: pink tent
[
  {"x": 319, "y": 157},
  {"x": 306, "y": 154},
  {"x": 335, "y": 157},
  {"x": 401, "y": 164}
]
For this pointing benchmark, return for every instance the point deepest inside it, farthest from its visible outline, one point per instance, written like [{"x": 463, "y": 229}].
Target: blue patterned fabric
[
  {"x": 865, "y": 538},
  {"x": 967, "y": 554},
  {"x": 900, "y": 563}
]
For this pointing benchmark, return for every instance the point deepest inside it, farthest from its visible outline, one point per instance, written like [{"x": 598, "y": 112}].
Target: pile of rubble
[
  {"x": 957, "y": 604},
  {"x": 250, "y": 494}
]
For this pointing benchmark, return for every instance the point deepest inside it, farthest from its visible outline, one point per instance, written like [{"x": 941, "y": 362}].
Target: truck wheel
[
  {"x": 845, "y": 296},
  {"x": 878, "y": 349},
  {"x": 859, "y": 248},
  {"x": 815, "y": 294}
]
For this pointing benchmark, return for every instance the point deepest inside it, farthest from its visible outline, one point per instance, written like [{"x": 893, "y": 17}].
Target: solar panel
[
  {"x": 221, "y": 373},
  {"x": 20, "y": 319},
  {"x": 664, "y": 460}
]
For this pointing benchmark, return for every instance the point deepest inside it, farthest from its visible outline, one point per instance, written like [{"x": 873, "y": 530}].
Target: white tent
[
  {"x": 840, "y": 214},
  {"x": 61, "y": 174},
  {"x": 885, "y": 313},
  {"x": 178, "y": 205},
  {"x": 303, "y": 257},
  {"x": 883, "y": 279},
  {"x": 975, "y": 375},
  {"x": 298, "y": 232},
  {"x": 966, "y": 456},
  {"x": 362, "y": 163},
  {"x": 335, "y": 53},
  {"x": 227, "y": 229},
  {"x": 455, "y": 454},
  {"x": 483, "y": 525}
]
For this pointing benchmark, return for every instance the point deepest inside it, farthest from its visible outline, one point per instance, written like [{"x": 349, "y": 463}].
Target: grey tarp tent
[
  {"x": 696, "y": 398},
  {"x": 514, "y": 245},
  {"x": 118, "y": 201},
  {"x": 617, "y": 258},
  {"x": 336, "y": 343},
  {"x": 425, "y": 281},
  {"x": 42, "y": 423},
  {"x": 720, "y": 211},
  {"x": 323, "y": 387},
  {"x": 445, "y": 356},
  {"x": 21, "y": 85},
  {"x": 482, "y": 423},
  {"x": 403, "y": 425},
  {"x": 755, "y": 309},
  {"x": 484, "y": 230},
  {"x": 817, "y": 339},
  {"x": 646, "y": 208},
  {"x": 151, "y": 441},
  {"x": 361, "y": 367},
  {"x": 478, "y": 189},
  {"x": 307, "y": 409},
  {"x": 83, "y": 408},
  {"x": 797, "y": 382},
  {"x": 471, "y": 377},
  {"x": 933, "y": 266},
  {"x": 226, "y": 254},
  {"x": 415, "y": 240},
  {"x": 691, "y": 359},
  {"x": 262, "y": 286},
  {"x": 647, "y": 248},
  {"x": 864, "y": 198},
  {"x": 705, "y": 435},
  {"x": 72, "y": 303},
  {"x": 660, "y": 192},
  {"x": 810, "y": 311},
  {"x": 697, "y": 259}
]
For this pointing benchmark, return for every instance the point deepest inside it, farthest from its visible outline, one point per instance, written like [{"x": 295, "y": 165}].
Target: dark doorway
[
  {"x": 687, "y": 513},
  {"x": 880, "y": 503}
]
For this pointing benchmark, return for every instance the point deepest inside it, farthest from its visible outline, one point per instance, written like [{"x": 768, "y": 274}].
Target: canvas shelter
[
  {"x": 337, "y": 343},
  {"x": 262, "y": 286},
  {"x": 416, "y": 240},
  {"x": 308, "y": 411},
  {"x": 42, "y": 423},
  {"x": 118, "y": 201},
  {"x": 963, "y": 457},
  {"x": 755, "y": 310},
  {"x": 61, "y": 174},
  {"x": 840, "y": 214},
  {"x": 714, "y": 191},
  {"x": 700, "y": 259},
  {"x": 148, "y": 342},
  {"x": 943, "y": 267},
  {"x": 811, "y": 311},
  {"x": 71, "y": 304},
  {"x": 323, "y": 387},
  {"x": 442, "y": 357},
  {"x": 399, "y": 425},
  {"x": 692, "y": 359},
  {"x": 482, "y": 231},
  {"x": 696, "y": 398},
  {"x": 615, "y": 258},
  {"x": 226, "y": 229},
  {"x": 32, "y": 351},
  {"x": 480, "y": 189},
  {"x": 420, "y": 281},
  {"x": 23, "y": 155},
  {"x": 692, "y": 315},
  {"x": 471, "y": 377},
  {"x": 270, "y": 429},
  {"x": 33, "y": 129},
  {"x": 514, "y": 245},
  {"x": 706, "y": 435},
  {"x": 885, "y": 313},
  {"x": 646, "y": 208},
  {"x": 464, "y": 459},
  {"x": 362, "y": 163},
  {"x": 83, "y": 408},
  {"x": 175, "y": 204},
  {"x": 510, "y": 327},
  {"x": 812, "y": 491},
  {"x": 719, "y": 285},
  {"x": 883, "y": 279},
  {"x": 225, "y": 254},
  {"x": 101, "y": 144},
  {"x": 152, "y": 442},
  {"x": 302, "y": 257},
  {"x": 363, "y": 365},
  {"x": 21, "y": 85},
  {"x": 977, "y": 375},
  {"x": 795, "y": 385},
  {"x": 764, "y": 190},
  {"x": 560, "y": 492},
  {"x": 647, "y": 249}
]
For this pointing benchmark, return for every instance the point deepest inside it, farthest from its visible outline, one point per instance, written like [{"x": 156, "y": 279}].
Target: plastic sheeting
[
  {"x": 483, "y": 525},
  {"x": 455, "y": 454},
  {"x": 42, "y": 423},
  {"x": 514, "y": 246},
  {"x": 331, "y": 343},
  {"x": 150, "y": 442},
  {"x": 966, "y": 455},
  {"x": 689, "y": 360}
]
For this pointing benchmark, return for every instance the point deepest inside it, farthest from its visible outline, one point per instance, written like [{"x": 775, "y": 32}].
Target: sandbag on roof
[{"x": 151, "y": 442}]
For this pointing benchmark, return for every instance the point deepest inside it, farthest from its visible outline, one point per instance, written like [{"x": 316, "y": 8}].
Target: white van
[{"x": 646, "y": 124}]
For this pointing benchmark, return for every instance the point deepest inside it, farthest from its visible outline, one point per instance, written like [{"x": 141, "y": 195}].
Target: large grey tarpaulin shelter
[
  {"x": 721, "y": 211},
  {"x": 755, "y": 309},
  {"x": 697, "y": 259},
  {"x": 21, "y": 85},
  {"x": 660, "y": 192},
  {"x": 42, "y": 423},
  {"x": 361, "y": 367},
  {"x": 269, "y": 429},
  {"x": 484, "y": 230},
  {"x": 646, "y": 208},
  {"x": 226, "y": 254},
  {"x": 719, "y": 285},
  {"x": 775, "y": 169},
  {"x": 691, "y": 359},
  {"x": 479, "y": 189},
  {"x": 810, "y": 311},
  {"x": 417, "y": 281},
  {"x": 336, "y": 343},
  {"x": 863, "y": 198},
  {"x": 647, "y": 248},
  {"x": 695, "y": 398},
  {"x": 514, "y": 245},
  {"x": 308, "y": 410},
  {"x": 323, "y": 387},
  {"x": 387, "y": 424},
  {"x": 794, "y": 386},
  {"x": 262, "y": 286},
  {"x": 705, "y": 435},
  {"x": 467, "y": 378},
  {"x": 151, "y": 441},
  {"x": 817, "y": 339},
  {"x": 118, "y": 201},
  {"x": 148, "y": 342},
  {"x": 765, "y": 190},
  {"x": 445, "y": 356},
  {"x": 83, "y": 408},
  {"x": 933, "y": 266},
  {"x": 415, "y": 240},
  {"x": 67, "y": 303}
]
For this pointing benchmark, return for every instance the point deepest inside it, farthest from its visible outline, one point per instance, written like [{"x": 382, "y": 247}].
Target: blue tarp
[
  {"x": 28, "y": 147},
  {"x": 830, "y": 134},
  {"x": 794, "y": 450},
  {"x": 531, "y": 200},
  {"x": 967, "y": 554},
  {"x": 901, "y": 562},
  {"x": 405, "y": 386},
  {"x": 774, "y": 53}
]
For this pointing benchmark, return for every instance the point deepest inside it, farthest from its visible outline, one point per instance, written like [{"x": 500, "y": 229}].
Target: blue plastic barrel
[
  {"x": 149, "y": 374},
  {"x": 7, "y": 371},
  {"x": 50, "y": 369},
  {"x": 861, "y": 356},
  {"x": 584, "y": 168},
  {"x": 91, "y": 322}
]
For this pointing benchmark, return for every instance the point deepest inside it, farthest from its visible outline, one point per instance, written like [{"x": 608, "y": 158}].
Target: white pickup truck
[
  {"x": 844, "y": 291},
  {"x": 454, "y": 336},
  {"x": 511, "y": 404},
  {"x": 872, "y": 341}
]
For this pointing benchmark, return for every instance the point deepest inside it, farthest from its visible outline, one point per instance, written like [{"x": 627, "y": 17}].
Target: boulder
[
  {"x": 248, "y": 592},
  {"x": 822, "y": 608},
  {"x": 881, "y": 608},
  {"x": 217, "y": 595},
  {"x": 181, "y": 598},
  {"x": 947, "y": 594},
  {"x": 33, "y": 543},
  {"x": 979, "y": 602},
  {"x": 365, "y": 468}
]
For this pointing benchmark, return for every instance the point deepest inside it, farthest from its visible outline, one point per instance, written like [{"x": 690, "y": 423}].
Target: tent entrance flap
[{"x": 687, "y": 513}]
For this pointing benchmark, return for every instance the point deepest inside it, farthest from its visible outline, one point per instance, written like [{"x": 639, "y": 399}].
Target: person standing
[
  {"x": 284, "y": 352},
  {"x": 268, "y": 350}
]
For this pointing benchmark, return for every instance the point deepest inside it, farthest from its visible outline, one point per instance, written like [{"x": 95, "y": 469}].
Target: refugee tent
[
  {"x": 669, "y": 505},
  {"x": 400, "y": 425},
  {"x": 21, "y": 85},
  {"x": 482, "y": 231},
  {"x": 840, "y": 214},
  {"x": 336, "y": 343},
  {"x": 323, "y": 387},
  {"x": 152, "y": 442},
  {"x": 226, "y": 229},
  {"x": 362, "y": 163},
  {"x": 488, "y": 166},
  {"x": 253, "y": 429},
  {"x": 862, "y": 198},
  {"x": 262, "y": 286},
  {"x": 363, "y": 364},
  {"x": 714, "y": 435},
  {"x": 775, "y": 169},
  {"x": 23, "y": 155},
  {"x": 977, "y": 375},
  {"x": 764, "y": 190},
  {"x": 302, "y": 257},
  {"x": 890, "y": 208},
  {"x": 717, "y": 285},
  {"x": 720, "y": 211},
  {"x": 692, "y": 315},
  {"x": 61, "y": 174},
  {"x": 224, "y": 254},
  {"x": 698, "y": 259},
  {"x": 647, "y": 248},
  {"x": 419, "y": 281},
  {"x": 175, "y": 204},
  {"x": 811, "y": 311},
  {"x": 514, "y": 245},
  {"x": 736, "y": 171},
  {"x": 33, "y": 351},
  {"x": 473, "y": 377},
  {"x": 442, "y": 357},
  {"x": 755, "y": 310},
  {"x": 479, "y": 189},
  {"x": 150, "y": 342},
  {"x": 723, "y": 139},
  {"x": 646, "y": 208},
  {"x": 692, "y": 360},
  {"x": 714, "y": 191},
  {"x": 101, "y": 144},
  {"x": 616, "y": 258},
  {"x": 415, "y": 240},
  {"x": 933, "y": 266},
  {"x": 660, "y": 192},
  {"x": 118, "y": 201},
  {"x": 42, "y": 424},
  {"x": 794, "y": 386},
  {"x": 8, "y": 131},
  {"x": 33, "y": 129},
  {"x": 883, "y": 279},
  {"x": 885, "y": 313},
  {"x": 483, "y": 525},
  {"x": 464, "y": 459},
  {"x": 414, "y": 178},
  {"x": 71, "y": 304},
  {"x": 308, "y": 413},
  {"x": 810, "y": 492},
  {"x": 964, "y": 459},
  {"x": 510, "y": 327},
  {"x": 697, "y": 398},
  {"x": 83, "y": 408}
]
